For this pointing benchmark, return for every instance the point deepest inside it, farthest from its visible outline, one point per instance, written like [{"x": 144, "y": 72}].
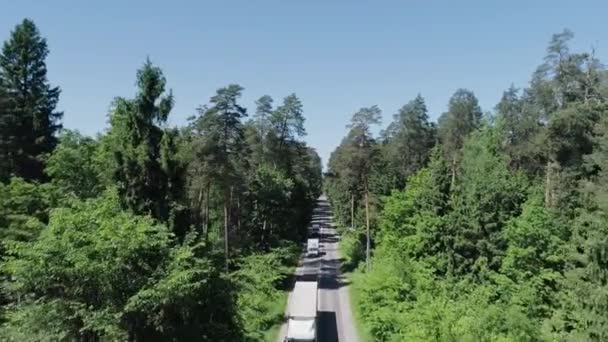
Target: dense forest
[
  {"x": 146, "y": 232},
  {"x": 482, "y": 226}
]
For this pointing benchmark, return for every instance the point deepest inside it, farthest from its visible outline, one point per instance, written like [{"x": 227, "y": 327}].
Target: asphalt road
[{"x": 335, "y": 319}]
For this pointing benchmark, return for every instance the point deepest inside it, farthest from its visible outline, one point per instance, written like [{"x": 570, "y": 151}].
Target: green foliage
[
  {"x": 258, "y": 130},
  {"x": 486, "y": 196},
  {"x": 270, "y": 190},
  {"x": 189, "y": 300},
  {"x": 409, "y": 140},
  {"x": 483, "y": 230},
  {"x": 502, "y": 236},
  {"x": 140, "y": 215},
  {"x": 73, "y": 166},
  {"x": 352, "y": 248},
  {"x": 217, "y": 142},
  {"x": 259, "y": 281},
  {"x": 414, "y": 219},
  {"x": 24, "y": 209},
  {"x": 519, "y": 123},
  {"x": 28, "y": 120},
  {"x": 110, "y": 274},
  {"x": 288, "y": 121},
  {"x": 351, "y": 167},
  {"x": 463, "y": 117},
  {"x": 92, "y": 257},
  {"x": 144, "y": 165}
]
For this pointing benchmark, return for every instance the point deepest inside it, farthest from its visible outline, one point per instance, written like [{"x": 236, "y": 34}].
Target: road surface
[{"x": 335, "y": 319}]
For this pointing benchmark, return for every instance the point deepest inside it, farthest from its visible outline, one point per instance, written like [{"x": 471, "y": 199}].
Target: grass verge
[
  {"x": 364, "y": 335},
  {"x": 272, "y": 334},
  {"x": 351, "y": 249}
]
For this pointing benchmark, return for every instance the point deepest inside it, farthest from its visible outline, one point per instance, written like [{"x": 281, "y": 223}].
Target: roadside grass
[
  {"x": 263, "y": 282},
  {"x": 350, "y": 249},
  {"x": 272, "y": 334},
  {"x": 280, "y": 304},
  {"x": 364, "y": 335}
]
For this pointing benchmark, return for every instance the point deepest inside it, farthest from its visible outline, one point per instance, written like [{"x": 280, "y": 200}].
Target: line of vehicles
[
  {"x": 302, "y": 318},
  {"x": 302, "y": 314}
]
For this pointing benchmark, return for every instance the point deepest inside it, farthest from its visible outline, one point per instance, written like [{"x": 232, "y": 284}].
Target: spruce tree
[
  {"x": 28, "y": 120},
  {"x": 145, "y": 168}
]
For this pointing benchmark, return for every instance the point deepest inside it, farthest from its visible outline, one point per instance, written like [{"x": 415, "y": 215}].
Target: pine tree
[
  {"x": 287, "y": 123},
  {"x": 219, "y": 150},
  {"x": 364, "y": 154},
  {"x": 409, "y": 140},
  {"x": 263, "y": 112},
  {"x": 521, "y": 127},
  {"x": 257, "y": 131},
  {"x": 463, "y": 117},
  {"x": 29, "y": 121}
]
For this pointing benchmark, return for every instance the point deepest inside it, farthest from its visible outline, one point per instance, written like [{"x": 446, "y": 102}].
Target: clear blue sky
[{"x": 337, "y": 56}]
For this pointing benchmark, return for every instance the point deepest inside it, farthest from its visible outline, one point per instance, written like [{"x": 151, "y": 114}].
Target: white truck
[
  {"x": 302, "y": 317},
  {"x": 312, "y": 248}
]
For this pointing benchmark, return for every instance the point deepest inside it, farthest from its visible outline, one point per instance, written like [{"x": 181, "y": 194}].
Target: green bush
[
  {"x": 352, "y": 249},
  {"x": 98, "y": 272},
  {"x": 259, "y": 282}
]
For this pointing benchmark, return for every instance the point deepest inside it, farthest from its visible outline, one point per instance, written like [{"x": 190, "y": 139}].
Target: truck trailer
[
  {"x": 302, "y": 313},
  {"x": 312, "y": 248}
]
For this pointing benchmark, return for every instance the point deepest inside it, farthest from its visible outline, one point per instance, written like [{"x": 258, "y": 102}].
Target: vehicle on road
[
  {"x": 302, "y": 312},
  {"x": 312, "y": 248},
  {"x": 314, "y": 230}
]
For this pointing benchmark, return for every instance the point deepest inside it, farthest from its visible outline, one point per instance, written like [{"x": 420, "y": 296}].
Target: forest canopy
[
  {"x": 483, "y": 227},
  {"x": 146, "y": 232}
]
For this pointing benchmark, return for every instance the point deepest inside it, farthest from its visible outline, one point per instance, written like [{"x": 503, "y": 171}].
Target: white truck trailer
[
  {"x": 312, "y": 248},
  {"x": 302, "y": 317}
]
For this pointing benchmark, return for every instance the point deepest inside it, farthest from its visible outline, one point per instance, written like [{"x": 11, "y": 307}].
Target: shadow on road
[
  {"x": 328, "y": 327},
  {"x": 330, "y": 239},
  {"x": 329, "y": 278},
  {"x": 306, "y": 277},
  {"x": 332, "y": 282}
]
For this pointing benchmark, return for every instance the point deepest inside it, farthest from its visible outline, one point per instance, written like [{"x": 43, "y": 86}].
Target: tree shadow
[
  {"x": 306, "y": 277},
  {"x": 329, "y": 275},
  {"x": 328, "y": 327},
  {"x": 350, "y": 266}
]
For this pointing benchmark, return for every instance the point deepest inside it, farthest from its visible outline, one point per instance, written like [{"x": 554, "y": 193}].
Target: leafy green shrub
[
  {"x": 259, "y": 282},
  {"x": 24, "y": 208},
  {"x": 352, "y": 249},
  {"x": 100, "y": 272}
]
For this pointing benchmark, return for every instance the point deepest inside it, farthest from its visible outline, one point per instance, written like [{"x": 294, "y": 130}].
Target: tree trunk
[
  {"x": 550, "y": 175},
  {"x": 230, "y": 206},
  {"x": 548, "y": 185},
  {"x": 367, "y": 245},
  {"x": 453, "y": 182},
  {"x": 199, "y": 202},
  {"x": 264, "y": 234},
  {"x": 352, "y": 211},
  {"x": 238, "y": 214},
  {"x": 226, "y": 233},
  {"x": 206, "y": 218},
  {"x": 270, "y": 231},
  {"x": 231, "y": 212}
]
